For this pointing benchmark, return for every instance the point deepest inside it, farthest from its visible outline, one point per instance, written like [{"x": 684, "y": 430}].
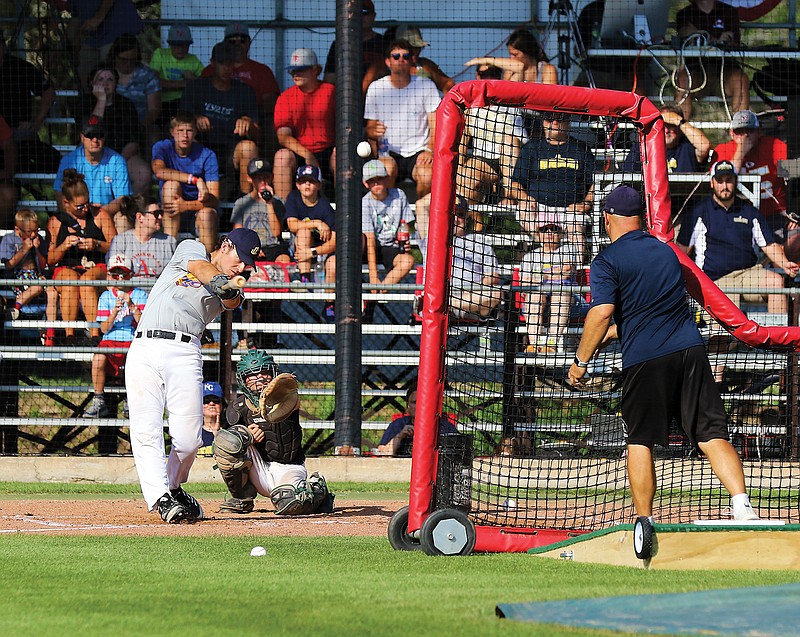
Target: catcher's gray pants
[{"x": 265, "y": 476}]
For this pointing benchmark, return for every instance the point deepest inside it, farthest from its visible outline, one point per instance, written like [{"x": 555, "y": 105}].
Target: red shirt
[
  {"x": 762, "y": 160},
  {"x": 311, "y": 116},
  {"x": 5, "y": 130},
  {"x": 257, "y": 76}
]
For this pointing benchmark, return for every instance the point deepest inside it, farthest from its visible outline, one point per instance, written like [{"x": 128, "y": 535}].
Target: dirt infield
[{"x": 130, "y": 517}]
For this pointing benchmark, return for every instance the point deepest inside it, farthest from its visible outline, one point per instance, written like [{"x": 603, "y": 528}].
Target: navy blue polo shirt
[
  {"x": 724, "y": 240},
  {"x": 642, "y": 278}
]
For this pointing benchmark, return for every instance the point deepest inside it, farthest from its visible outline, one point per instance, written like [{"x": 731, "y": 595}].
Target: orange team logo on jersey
[{"x": 189, "y": 281}]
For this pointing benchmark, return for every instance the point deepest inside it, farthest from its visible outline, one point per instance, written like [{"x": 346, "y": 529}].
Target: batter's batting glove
[{"x": 218, "y": 283}]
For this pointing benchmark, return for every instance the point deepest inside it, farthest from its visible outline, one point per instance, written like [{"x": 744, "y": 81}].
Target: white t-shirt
[
  {"x": 537, "y": 265},
  {"x": 491, "y": 127},
  {"x": 473, "y": 260},
  {"x": 404, "y": 112}
]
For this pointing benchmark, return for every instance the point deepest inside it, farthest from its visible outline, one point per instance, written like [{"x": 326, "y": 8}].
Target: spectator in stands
[
  {"x": 20, "y": 83},
  {"x": 212, "y": 408},
  {"x": 687, "y": 146},
  {"x": 474, "y": 275},
  {"x": 97, "y": 24},
  {"x": 118, "y": 312},
  {"x": 311, "y": 220},
  {"x": 105, "y": 172},
  {"x": 493, "y": 136},
  {"x": 227, "y": 114},
  {"x": 553, "y": 263},
  {"x": 137, "y": 82},
  {"x": 401, "y": 119},
  {"x": 79, "y": 240},
  {"x": 148, "y": 248},
  {"x": 175, "y": 67},
  {"x": 262, "y": 212},
  {"x": 9, "y": 194},
  {"x": 421, "y": 67},
  {"x": 257, "y": 76},
  {"x": 713, "y": 23},
  {"x": 373, "y": 44},
  {"x": 723, "y": 231},
  {"x": 188, "y": 176},
  {"x": 555, "y": 173},
  {"x": 383, "y": 208},
  {"x": 752, "y": 152},
  {"x": 398, "y": 439},
  {"x": 119, "y": 119},
  {"x": 305, "y": 122},
  {"x": 24, "y": 256},
  {"x": 528, "y": 61}
]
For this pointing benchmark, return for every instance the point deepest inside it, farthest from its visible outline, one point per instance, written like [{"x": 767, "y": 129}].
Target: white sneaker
[
  {"x": 97, "y": 408},
  {"x": 745, "y": 513}
]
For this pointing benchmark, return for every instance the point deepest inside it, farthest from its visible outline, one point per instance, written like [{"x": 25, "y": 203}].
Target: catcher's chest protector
[{"x": 283, "y": 441}]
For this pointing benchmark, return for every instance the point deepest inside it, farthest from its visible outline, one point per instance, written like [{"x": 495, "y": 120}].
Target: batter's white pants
[
  {"x": 162, "y": 374},
  {"x": 265, "y": 476}
]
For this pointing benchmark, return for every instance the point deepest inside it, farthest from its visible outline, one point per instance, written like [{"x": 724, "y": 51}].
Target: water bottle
[
  {"x": 383, "y": 147},
  {"x": 319, "y": 270},
  {"x": 403, "y": 235}
]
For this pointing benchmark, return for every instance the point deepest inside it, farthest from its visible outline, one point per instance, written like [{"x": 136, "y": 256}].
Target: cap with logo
[
  {"x": 372, "y": 169},
  {"x": 259, "y": 166},
  {"x": 302, "y": 59},
  {"x": 247, "y": 244},
  {"x": 235, "y": 29},
  {"x": 623, "y": 201},
  {"x": 120, "y": 262},
  {"x": 92, "y": 127},
  {"x": 410, "y": 34},
  {"x": 722, "y": 168},
  {"x": 212, "y": 388},
  {"x": 744, "y": 119},
  {"x": 179, "y": 34},
  {"x": 308, "y": 172}
]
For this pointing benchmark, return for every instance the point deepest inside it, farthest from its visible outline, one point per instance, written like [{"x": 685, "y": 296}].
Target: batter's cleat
[
  {"x": 237, "y": 505},
  {"x": 189, "y": 502},
  {"x": 97, "y": 408},
  {"x": 745, "y": 513},
  {"x": 172, "y": 511}
]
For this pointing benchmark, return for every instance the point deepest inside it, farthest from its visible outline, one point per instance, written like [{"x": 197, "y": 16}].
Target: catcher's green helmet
[{"x": 255, "y": 361}]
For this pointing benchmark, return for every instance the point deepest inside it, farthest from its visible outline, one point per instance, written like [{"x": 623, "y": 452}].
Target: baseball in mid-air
[
  {"x": 364, "y": 149},
  {"x": 258, "y": 551},
  {"x": 509, "y": 504}
]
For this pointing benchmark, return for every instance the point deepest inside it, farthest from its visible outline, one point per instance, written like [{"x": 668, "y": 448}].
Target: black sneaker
[
  {"x": 172, "y": 511},
  {"x": 188, "y": 501}
]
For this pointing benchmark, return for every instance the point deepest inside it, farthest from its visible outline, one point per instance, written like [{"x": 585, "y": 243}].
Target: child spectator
[
  {"x": 79, "y": 240},
  {"x": 553, "y": 263},
  {"x": 382, "y": 210},
  {"x": 25, "y": 254},
  {"x": 188, "y": 175},
  {"x": 118, "y": 311},
  {"x": 262, "y": 212},
  {"x": 175, "y": 66},
  {"x": 310, "y": 218}
]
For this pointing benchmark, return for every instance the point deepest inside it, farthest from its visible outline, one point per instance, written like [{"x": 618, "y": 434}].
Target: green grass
[{"x": 303, "y": 586}]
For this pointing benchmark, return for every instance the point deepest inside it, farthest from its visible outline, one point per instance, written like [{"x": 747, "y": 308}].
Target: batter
[{"x": 164, "y": 368}]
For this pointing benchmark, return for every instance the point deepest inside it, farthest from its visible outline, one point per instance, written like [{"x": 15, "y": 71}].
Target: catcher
[{"x": 260, "y": 451}]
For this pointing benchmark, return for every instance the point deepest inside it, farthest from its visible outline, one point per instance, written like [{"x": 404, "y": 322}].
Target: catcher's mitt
[{"x": 279, "y": 398}]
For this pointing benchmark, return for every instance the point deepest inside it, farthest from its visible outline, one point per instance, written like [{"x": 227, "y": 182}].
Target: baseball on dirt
[
  {"x": 364, "y": 149},
  {"x": 258, "y": 551}
]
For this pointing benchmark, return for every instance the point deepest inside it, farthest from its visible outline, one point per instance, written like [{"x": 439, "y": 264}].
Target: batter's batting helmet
[{"x": 255, "y": 361}]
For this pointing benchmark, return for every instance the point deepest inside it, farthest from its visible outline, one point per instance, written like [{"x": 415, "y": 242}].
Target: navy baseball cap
[
  {"x": 212, "y": 388},
  {"x": 259, "y": 166},
  {"x": 247, "y": 243},
  {"x": 623, "y": 201},
  {"x": 309, "y": 172},
  {"x": 723, "y": 167}
]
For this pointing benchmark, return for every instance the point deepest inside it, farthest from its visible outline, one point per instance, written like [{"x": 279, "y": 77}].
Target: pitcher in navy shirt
[{"x": 638, "y": 282}]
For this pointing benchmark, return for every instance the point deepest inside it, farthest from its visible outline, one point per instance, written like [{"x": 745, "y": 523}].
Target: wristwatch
[
  {"x": 579, "y": 363},
  {"x": 314, "y": 253}
]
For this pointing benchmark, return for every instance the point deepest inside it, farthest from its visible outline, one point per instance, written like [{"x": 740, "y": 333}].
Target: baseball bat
[{"x": 234, "y": 283}]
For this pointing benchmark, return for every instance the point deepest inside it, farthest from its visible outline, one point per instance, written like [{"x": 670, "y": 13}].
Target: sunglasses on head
[{"x": 405, "y": 56}]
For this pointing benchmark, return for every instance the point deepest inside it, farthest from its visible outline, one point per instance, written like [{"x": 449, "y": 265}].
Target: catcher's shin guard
[
  {"x": 242, "y": 491},
  {"x": 292, "y": 500},
  {"x": 321, "y": 495}
]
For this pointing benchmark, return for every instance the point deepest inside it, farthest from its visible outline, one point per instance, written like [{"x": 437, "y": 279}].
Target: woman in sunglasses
[
  {"x": 528, "y": 61},
  {"x": 80, "y": 236}
]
